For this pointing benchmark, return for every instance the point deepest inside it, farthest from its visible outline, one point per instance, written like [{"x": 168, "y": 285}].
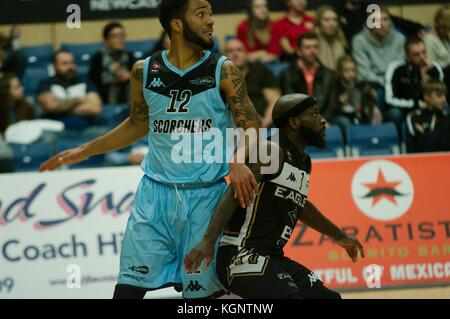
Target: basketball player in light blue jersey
[{"x": 184, "y": 89}]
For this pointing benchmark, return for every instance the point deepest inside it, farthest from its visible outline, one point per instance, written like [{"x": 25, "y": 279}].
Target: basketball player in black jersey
[{"x": 250, "y": 260}]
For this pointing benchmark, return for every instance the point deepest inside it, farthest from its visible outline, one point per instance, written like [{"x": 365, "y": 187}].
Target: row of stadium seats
[
  {"x": 40, "y": 57},
  {"x": 363, "y": 140}
]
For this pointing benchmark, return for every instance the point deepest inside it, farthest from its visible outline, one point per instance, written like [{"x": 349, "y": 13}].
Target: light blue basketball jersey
[{"x": 186, "y": 111}]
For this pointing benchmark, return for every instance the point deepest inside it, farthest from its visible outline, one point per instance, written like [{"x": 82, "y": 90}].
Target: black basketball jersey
[{"x": 268, "y": 224}]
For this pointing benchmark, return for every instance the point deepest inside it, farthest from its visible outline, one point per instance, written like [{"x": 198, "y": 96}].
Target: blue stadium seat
[
  {"x": 83, "y": 52},
  {"x": 368, "y": 140},
  {"x": 113, "y": 114},
  {"x": 277, "y": 68},
  {"x": 91, "y": 162},
  {"x": 335, "y": 145},
  {"x": 83, "y": 71},
  {"x": 28, "y": 157},
  {"x": 38, "y": 56},
  {"x": 140, "y": 48},
  {"x": 31, "y": 79}
]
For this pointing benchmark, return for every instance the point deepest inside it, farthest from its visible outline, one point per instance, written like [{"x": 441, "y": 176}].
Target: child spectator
[{"x": 351, "y": 102}]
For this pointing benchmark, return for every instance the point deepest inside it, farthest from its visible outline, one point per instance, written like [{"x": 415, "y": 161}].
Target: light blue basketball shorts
[{"x": 165, "y": 223}]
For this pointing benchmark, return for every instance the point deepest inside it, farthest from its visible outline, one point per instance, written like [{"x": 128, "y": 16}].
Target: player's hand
[
  {"x": 203, "y": 251},
  {"x": 244, "y": 184},
  {"x": 72, "y": 156},
  {"x": 352, "y": 246}
]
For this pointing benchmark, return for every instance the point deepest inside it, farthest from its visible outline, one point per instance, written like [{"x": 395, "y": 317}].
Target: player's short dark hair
[
  {"x": 58, "y": 52},
  {"x": 109, "y": 27},
  {"x": 412, "y": 41},
  {"x": 434, "y": 86},
  {"x": 306, "y": 36},
  {"x": 171, "y": 9}
]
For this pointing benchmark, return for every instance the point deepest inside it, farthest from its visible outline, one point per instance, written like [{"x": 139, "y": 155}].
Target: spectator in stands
[
  {"x": 447, "y": 80},
  {"x": 332, "y": 43},
  {"x": 263, "y": 88},
  {"x": 257, "y": 33},
  {"x": 306, "y": 74},
  {"x": 66, "y": 98},
  {"x": 438, "y": 46},
  {"x": 290, "y": 27},
  {"x": 375, "y": 48},
  {"x": 403, "y": 91},
  {"x": 2, "y": 61},
  {"x": 14, "y": 61},
  {"x": 13, "y": 106},
  {"x": 162, "y": 44},
  {"x": 429, "y": 128},
  {"x": 111, "y": 67},
  {"x": 351, "y": 102},
  {"x": 353, "y": 16}
]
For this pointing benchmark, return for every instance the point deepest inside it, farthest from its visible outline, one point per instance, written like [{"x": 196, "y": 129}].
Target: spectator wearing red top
[
  {"x": 292, "y": 26},
  {"x": 256, "y": 33}
]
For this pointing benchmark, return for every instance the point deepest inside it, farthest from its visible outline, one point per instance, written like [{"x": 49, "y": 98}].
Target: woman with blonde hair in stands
[
  {"x": 257, "y": 33},
  {"x": 438, "y": 46},
  {"x": 332, "y": 42}
]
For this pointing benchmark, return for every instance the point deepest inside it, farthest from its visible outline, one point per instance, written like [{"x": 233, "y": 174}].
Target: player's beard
[
  {"x": 193, "y": 37},
  {"x": 312, "y": 138}
]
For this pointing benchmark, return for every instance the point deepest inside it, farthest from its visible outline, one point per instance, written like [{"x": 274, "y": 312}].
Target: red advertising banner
[{"x": 398, "y": 207}]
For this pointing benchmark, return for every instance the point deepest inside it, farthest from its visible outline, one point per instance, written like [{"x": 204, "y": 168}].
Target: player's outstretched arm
[
  {"x": 205, "y": 250},
  {"x": 132, "y": 129},
  {"x": 313, "y": 218},
  {"x": 233, "y": 85}
]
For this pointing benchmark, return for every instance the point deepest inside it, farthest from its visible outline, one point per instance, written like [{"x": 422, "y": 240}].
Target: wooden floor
[{"x": 419, "y": 293}]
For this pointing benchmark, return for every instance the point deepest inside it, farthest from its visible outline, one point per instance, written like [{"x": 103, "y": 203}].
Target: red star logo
[{"x": 382, "y": 189}]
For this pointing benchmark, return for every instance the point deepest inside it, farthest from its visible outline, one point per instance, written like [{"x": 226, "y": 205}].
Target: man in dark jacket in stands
[
  {"x": 306, "y": 74},
  {"x": 404, "y": 78}
]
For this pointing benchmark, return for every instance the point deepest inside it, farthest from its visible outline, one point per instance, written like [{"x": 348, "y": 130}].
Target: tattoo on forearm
[
  {"x": 138, "y": 73},
  {"x": 243, "y": 110},
  {"x": 139, "y": 112}
]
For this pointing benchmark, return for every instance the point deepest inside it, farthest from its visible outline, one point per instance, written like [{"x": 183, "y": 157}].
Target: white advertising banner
[{"x": 61, "y": 232}]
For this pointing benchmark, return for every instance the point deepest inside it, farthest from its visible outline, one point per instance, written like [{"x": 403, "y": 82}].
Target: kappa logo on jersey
[
  {"x": 194, "y": 286},
  {"x": 312, "y": 278},
  {"x": 157, "y": 83},
  {"x": 207, "y": 81},
  {"x": 292, "y": 178},
  {"x": 382, "y": 190}
]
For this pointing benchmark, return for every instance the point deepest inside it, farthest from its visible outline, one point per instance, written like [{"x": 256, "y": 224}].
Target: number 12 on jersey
[{"x": 179, "y": 96}]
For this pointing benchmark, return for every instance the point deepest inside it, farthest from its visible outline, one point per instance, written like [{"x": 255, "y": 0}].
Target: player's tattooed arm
[
  {"x": 129, "y": 131},
  {"x": 233, "y": 84},
  {"x": 139, "y": 107}
]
